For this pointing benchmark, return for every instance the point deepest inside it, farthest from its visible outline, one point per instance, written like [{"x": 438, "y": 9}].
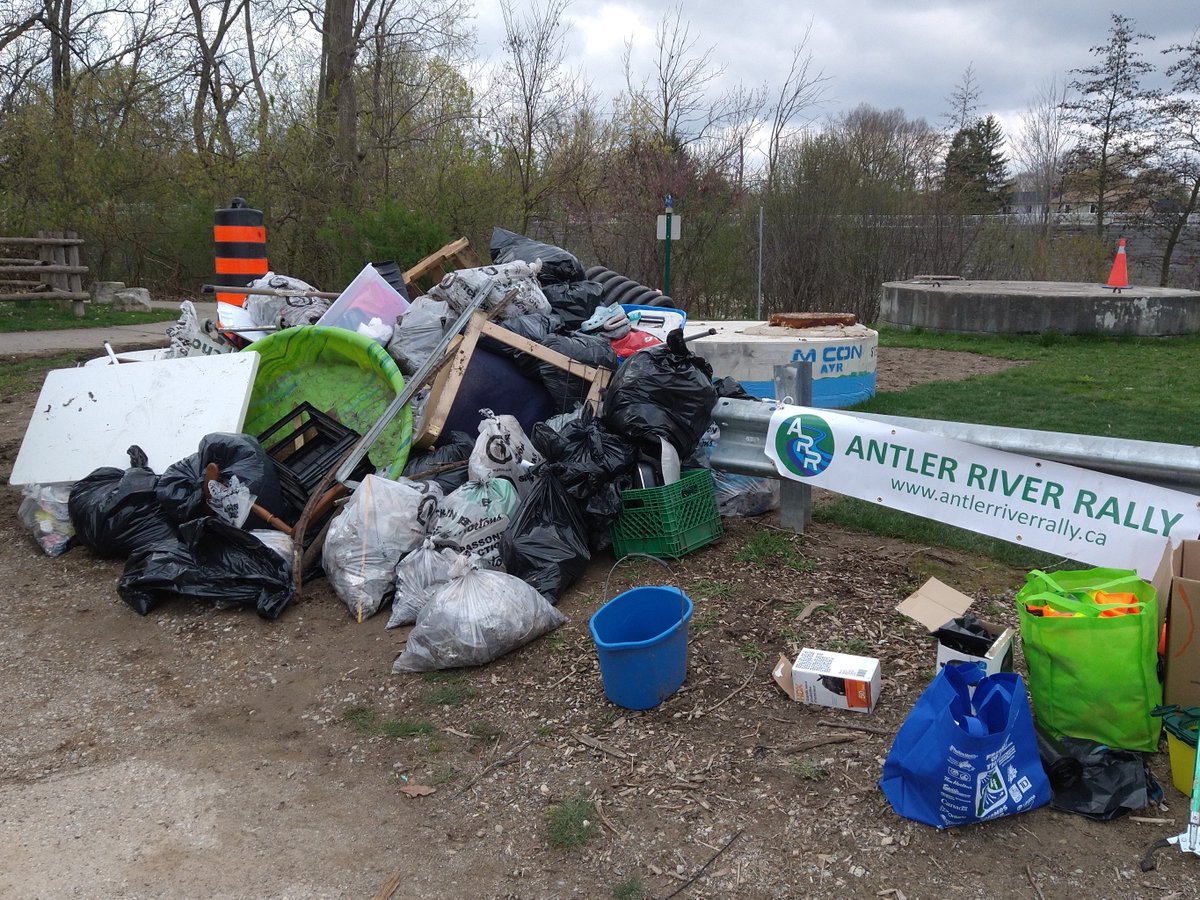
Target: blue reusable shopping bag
[{"x": 959, "y": 758}]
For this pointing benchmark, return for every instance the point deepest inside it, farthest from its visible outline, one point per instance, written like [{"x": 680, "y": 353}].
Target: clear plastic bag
[
  {"x": 502, "y": 450},
  {"x": 417, "y": 333},
  {"x": 477, "y": 616},
  {"x": 44, "y": 512},
  {"x": 418, "y": 576},
  {"x": 279, "y": 542},
  {"x": 381, "y": 522},
  {"x": 475, "y": 516}
]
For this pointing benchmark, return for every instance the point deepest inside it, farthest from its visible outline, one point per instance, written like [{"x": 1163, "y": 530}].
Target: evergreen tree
[{"x": 976, "y": 169}]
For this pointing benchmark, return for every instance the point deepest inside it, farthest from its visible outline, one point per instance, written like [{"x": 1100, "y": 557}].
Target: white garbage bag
[
  {"x": 381, "y": 522},
  {"x": 477, "y": 616}
]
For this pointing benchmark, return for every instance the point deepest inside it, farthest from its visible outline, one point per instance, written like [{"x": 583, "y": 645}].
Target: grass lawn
[
  {"x": 1139, "y": 388},
  {"x": 42, "y": 315}
]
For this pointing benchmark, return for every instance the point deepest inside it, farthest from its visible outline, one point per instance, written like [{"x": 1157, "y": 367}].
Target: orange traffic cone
[{"x": 1118, "y": 278}]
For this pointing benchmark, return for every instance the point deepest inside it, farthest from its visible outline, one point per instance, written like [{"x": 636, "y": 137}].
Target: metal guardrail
[{"x": 744, "y": 424}]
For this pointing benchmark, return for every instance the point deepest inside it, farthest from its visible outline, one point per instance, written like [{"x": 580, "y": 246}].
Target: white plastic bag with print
[
  {"x": 504, "y": 451},
  {"x": 477, "y": 616},
  {"x": 460, "y": 288},
  {"x": 474, "y": 516},
  {"x": 418, "y": 576},
  {"x": 382, "y": 521}
]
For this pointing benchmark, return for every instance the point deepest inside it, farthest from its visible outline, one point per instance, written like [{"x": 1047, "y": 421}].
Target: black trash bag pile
[
  {"x": 576, "y": 495},
  {"x": 180, "y": 488},
  {"x": 593, "y": 464},
  {"x": 563, "y": 279},
  {"x": 116, "y": 512},
  {"x": 456, "y": 449},
  {"x": 575, "y": 303},
  {"x": 213, "y": 562},
  {"x": 567, "y": 391},
  {"x": 662, "y": 392},
  {"x": 119, "y": 514},
  {"x": 535, "y": 326}
]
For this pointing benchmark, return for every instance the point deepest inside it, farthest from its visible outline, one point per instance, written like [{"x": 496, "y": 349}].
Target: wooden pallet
[
  {"x": 449, "y": 378},
  {"x": 455, "y": 255}
]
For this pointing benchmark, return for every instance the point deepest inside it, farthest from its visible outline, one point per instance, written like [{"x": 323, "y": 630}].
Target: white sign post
[{"x": 1099, "y": 519}]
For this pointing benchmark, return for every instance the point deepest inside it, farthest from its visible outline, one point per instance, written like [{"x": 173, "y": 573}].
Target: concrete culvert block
[
  {"x": 132, "y": 300},
  {"x": 103, "y": 292}
]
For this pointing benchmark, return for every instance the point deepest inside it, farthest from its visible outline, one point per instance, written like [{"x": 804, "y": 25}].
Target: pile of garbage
[{"x": 473, "y": 538}]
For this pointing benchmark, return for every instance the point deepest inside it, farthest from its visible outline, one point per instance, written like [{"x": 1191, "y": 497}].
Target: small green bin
[{"x": 671, "y": 520}]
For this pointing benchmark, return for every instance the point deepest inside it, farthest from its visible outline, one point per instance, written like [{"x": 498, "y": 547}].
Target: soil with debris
[{"x": 201, "y": 753}]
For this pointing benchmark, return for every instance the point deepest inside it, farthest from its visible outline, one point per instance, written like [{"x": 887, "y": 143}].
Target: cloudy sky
[{"x": 909, "y": 54}]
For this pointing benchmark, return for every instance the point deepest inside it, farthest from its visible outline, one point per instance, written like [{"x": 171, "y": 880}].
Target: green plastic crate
[{"x": 671, "y": 520}]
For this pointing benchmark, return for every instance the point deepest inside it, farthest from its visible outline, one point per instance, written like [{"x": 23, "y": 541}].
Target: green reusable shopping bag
[{"x": 1091, "y": 676}]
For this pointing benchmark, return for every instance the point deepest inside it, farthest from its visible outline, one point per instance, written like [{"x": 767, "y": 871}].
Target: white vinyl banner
[{"x": 1099, "y": 519}]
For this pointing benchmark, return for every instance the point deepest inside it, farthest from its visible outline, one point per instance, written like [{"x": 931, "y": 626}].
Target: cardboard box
[
  {"x": 934, "y": 604},
  {"x": 1177, "y": 583},
  {"x": 836, "y": 680}
]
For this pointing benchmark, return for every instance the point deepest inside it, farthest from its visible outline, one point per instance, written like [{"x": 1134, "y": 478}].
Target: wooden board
[
  {"x": 455, "y": 255},
  {"x": 88, "y": 417}
]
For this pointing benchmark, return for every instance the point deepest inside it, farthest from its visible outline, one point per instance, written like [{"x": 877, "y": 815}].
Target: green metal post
[{"x": 667, "y": 258}]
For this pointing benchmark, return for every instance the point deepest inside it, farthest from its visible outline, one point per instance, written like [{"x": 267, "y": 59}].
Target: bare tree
[
  {"x": 1179, "y": 149},
  {"x": 801, "y": 90},
  {"x": 538, "y": 96},
  {"x": 1041, "y": 143},
  {"x": 964, "y": 102},
  {"x": 1109, "y": 112},
  {"x": 679, "y": 98}
]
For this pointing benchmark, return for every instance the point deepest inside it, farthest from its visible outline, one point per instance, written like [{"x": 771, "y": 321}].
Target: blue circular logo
[{"x": 804, "y": 443}]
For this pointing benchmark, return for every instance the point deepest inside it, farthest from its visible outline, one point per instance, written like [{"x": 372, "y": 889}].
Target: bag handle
[
  {"x": 1090, "y": 610},
  {"x": 1054, "y": 585}
]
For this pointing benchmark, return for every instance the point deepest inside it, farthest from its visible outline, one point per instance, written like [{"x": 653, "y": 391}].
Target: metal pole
[
  {"x": 667, "y": 255},
  {"x": 758, "y": 306},
  {"x": 793, "y": 383}
]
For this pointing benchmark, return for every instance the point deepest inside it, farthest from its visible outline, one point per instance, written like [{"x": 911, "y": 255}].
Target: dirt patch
[{"x": 198, "y": 753}]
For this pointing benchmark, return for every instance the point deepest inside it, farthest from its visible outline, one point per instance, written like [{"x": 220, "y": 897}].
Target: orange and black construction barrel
[{"x": 241, "y": 248}]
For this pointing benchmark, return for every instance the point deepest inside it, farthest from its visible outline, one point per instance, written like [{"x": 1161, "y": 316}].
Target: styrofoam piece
[
  {"x": 368, "y": 296},
  {"x": 88, "y": 417}
]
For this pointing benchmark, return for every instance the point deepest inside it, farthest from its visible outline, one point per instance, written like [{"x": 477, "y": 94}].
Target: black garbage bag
[
  {"x": 729, "y": 387},
  {"x": 210, "y": 561},
  {"x": 575, "y": 302},
  {"x": 546, "y": 543},
  {"x": 180, "y": 488},
  {"x": 587, "y": 455},
  {"x": 115, "y": 511},
  {"x": 1093, "y": 780},
  {"x": 558, "y": 266},
  {"x": 661, "y": 392},
  {"x": 456, "y": 449},
  {"x": 565, "y": 390},
  {"x": 593, "y": 465},
  {"x": 966, "y": 634}
]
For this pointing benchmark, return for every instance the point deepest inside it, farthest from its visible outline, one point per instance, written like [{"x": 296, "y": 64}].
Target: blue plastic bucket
[{"x": 641, "y": 641}]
